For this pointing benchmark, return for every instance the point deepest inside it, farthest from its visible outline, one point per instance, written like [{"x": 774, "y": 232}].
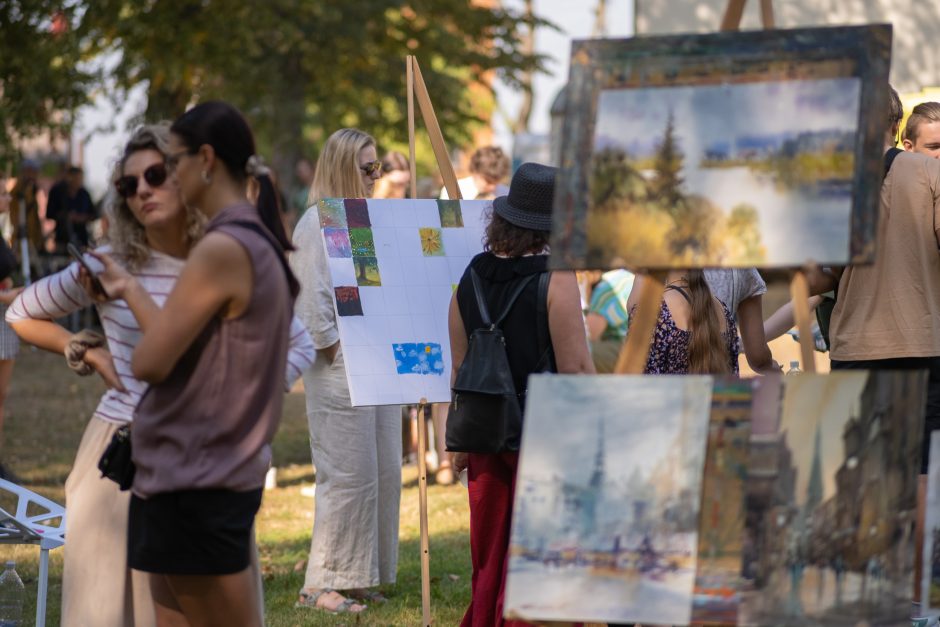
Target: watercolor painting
[
  {"x": 367, "y": 271},
  {"x": 721, "y": 520},
  {"x": 347, "y": 301},
  {"x": 605, "y": 523},
  {"x": 332, "y": 213},
  {"x": 930, "y": 580},
  {"x": 432, "y": 244},
  {"x": 451, "y": 216},
  {"x": 357, "y": 212},
  {"x": 362, "y": 243},
  {"x": 337, "y": 243},
  {"x": 419, "y": 358},
  {"x": 727, "y": 150},
  {"x": 837, "y": 529},
  {"x": 764, "y": 451}
]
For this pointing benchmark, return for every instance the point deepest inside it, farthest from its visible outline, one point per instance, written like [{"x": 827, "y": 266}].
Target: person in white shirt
[{"x": 489, "y": 169}]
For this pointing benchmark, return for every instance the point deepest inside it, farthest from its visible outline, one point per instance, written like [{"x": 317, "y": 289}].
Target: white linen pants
[{"x": 357, "y": 454}]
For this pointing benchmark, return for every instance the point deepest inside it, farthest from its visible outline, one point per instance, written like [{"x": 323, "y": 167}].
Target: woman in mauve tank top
[{"x": 214, "y": 356}]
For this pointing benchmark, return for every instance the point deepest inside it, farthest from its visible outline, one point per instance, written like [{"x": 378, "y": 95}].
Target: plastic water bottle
[
  {"x": 794, "y": 368},
  {"x": 12, "y": 596}
]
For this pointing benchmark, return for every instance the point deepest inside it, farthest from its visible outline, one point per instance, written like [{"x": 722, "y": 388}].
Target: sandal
[
  {"x": 367, "y": 594},
  {"x": 309, "y": 599}
]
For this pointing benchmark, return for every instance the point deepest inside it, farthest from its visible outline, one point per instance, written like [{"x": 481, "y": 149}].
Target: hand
[
  {"x": 100, "y": 359},
  {"x": 459, "y": 462},
  {"x": 329, "y": 353},
  {"x": 7, "y": 295},
  {"x": 114, "y": 279}
]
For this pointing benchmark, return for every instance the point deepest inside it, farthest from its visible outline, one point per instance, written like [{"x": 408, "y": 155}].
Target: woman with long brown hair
[{"x": 695, "y": 333}]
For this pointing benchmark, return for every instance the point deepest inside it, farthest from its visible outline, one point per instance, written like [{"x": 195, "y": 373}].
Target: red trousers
[{"x": 492, "y": 486}]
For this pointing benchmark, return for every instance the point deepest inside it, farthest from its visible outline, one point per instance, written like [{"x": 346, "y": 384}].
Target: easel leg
[
  {"x": 799, "y": 294},
  {"x": 423, "y": 515}
]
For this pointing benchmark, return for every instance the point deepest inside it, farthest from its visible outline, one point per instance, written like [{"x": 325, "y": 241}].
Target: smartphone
[{"x": 80, "y": 258}]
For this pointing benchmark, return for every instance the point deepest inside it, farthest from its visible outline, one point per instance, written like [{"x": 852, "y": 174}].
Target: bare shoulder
[
  {"x": 563, "y": 284},
  {"x": 218, "y": 251}
]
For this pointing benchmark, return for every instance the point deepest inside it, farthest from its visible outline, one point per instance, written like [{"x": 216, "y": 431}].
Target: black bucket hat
[{"x": 531, "y": 197}]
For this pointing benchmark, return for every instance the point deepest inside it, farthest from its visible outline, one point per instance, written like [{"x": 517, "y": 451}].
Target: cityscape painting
[
  {"x": 721, "y": 520},
  {"x": 606, "y": 518},
  {"x": 930, "y": 579},
  {"x": 832, "y": 511},
  {"x": 723, "y": 150}
]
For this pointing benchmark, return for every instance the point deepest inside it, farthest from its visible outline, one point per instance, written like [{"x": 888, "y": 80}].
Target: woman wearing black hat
[{"x": 516, "y": 248}]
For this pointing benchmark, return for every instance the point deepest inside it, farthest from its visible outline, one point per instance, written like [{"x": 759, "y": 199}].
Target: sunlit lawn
[{"x": 47, "y": 410}]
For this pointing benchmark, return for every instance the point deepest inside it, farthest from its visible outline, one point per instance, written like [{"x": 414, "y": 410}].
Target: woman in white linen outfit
[{"x": 356, "y": 450}]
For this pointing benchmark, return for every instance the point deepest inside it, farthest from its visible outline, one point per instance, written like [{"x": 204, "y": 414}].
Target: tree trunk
[
  {"x": 288, "y": 113},
  {"x": 521, "y": 124},
  {"x": 166, "y": 103}
]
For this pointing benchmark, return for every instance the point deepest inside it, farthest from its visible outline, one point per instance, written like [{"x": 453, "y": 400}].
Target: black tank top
[{"x": 520, "y": 328}]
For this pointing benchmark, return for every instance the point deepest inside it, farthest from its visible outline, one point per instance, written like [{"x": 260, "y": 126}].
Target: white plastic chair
[{"x": 40, "y": 528}]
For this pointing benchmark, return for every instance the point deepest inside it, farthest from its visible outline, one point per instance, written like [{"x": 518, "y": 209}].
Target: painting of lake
[
  {"x": 606, "y": 518},
  {"x": 733, "y": 174},
  {"x": 723, "y": 150}
]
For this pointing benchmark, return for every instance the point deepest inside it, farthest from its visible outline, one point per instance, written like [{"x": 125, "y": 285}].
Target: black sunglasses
[
  {"x": 155, "y": 176},
  {"x": 372, "y": 167}
]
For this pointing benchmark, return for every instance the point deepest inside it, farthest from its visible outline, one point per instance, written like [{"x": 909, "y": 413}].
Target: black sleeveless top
[{"x": 499, "y": 277}]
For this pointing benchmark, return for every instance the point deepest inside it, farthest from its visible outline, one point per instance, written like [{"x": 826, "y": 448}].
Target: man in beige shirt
[{"x": 887, "y": 315}]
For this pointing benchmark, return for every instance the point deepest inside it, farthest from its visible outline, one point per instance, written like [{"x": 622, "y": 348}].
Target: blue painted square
[{"x": 419, "y": 358}]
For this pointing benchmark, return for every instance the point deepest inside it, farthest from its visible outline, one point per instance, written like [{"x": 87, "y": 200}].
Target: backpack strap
[
  {"x": 546, "y": 350},
  {"x": 481, "y": 300},
  {"x": 513, "y": 297}
]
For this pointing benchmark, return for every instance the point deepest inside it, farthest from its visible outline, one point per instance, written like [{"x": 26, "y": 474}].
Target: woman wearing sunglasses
[
  {"x": 151, "y": 233},
  {"x": 356, "y": 450}
]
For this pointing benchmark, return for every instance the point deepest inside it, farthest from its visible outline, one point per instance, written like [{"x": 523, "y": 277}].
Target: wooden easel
[
  {"x": 417, "y": 87},
  {"x": 635, "y": 351}
]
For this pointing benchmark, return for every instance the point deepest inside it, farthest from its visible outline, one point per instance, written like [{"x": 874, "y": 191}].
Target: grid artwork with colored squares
[{"x": 394, "y": 265}]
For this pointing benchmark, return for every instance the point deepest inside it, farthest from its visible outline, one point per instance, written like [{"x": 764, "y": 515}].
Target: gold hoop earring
[{"x": 206, "y": 178}]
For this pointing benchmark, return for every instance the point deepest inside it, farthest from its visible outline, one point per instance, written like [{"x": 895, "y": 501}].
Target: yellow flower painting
[{"x": 431, "y": 243}]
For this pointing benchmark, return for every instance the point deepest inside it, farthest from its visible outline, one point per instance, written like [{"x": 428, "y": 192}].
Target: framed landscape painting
[{"x": 755, "y": 149}]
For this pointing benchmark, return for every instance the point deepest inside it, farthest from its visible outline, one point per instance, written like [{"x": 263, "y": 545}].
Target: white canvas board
[
  {"x": 394, "y": 266},
  {"x": 605, "y": 521}
]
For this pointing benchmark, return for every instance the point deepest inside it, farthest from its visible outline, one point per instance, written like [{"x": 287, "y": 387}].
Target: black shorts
[
  {"x": 931, "y": 411},
  {"x": 192, "y": 532}
]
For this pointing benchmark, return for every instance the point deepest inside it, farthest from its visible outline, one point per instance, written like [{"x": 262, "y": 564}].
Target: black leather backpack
[{"x": 485, "y": 414}]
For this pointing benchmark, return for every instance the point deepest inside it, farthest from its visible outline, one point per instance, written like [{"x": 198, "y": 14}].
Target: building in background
[{"x": 915, "y": 64}]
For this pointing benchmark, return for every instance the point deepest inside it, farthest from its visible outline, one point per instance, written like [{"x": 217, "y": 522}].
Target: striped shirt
[
  {"x": 609, "y": 300},
  {"x": 60, "y": 294}
]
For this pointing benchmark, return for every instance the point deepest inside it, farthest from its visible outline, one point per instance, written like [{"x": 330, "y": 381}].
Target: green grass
[{"x": 47, "y": 410}]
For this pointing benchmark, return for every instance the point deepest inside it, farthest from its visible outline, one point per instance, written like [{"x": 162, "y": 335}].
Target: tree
[
  {"x": 667, "y": 184},
  {"x": 301, "y": 69},
  {"x": 41, "y": 81}
]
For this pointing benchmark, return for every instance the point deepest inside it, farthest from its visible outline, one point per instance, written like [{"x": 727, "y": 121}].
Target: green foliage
[
  {"x": 667, "y": 184},
  {"x": 47, "y": 410},
  {"x": 302, "y": 69},
  {"x": 631, "y": 218},
  {"x": 40, "y": 79}
]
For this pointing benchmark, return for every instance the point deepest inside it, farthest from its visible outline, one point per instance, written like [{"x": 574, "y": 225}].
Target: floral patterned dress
[{"x": 669, "y": 351}]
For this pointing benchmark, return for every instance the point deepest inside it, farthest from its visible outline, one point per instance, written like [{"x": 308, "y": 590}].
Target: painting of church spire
[{"x": 814, "y": 491}]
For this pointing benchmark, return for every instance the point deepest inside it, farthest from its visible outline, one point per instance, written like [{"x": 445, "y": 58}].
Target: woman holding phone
[
  {"x": 151, "y": 234},
  {"x": 214, "y": 356}
]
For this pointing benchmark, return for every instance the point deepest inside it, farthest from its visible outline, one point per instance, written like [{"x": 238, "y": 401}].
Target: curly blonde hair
[{"x": 125, "y": 234}]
